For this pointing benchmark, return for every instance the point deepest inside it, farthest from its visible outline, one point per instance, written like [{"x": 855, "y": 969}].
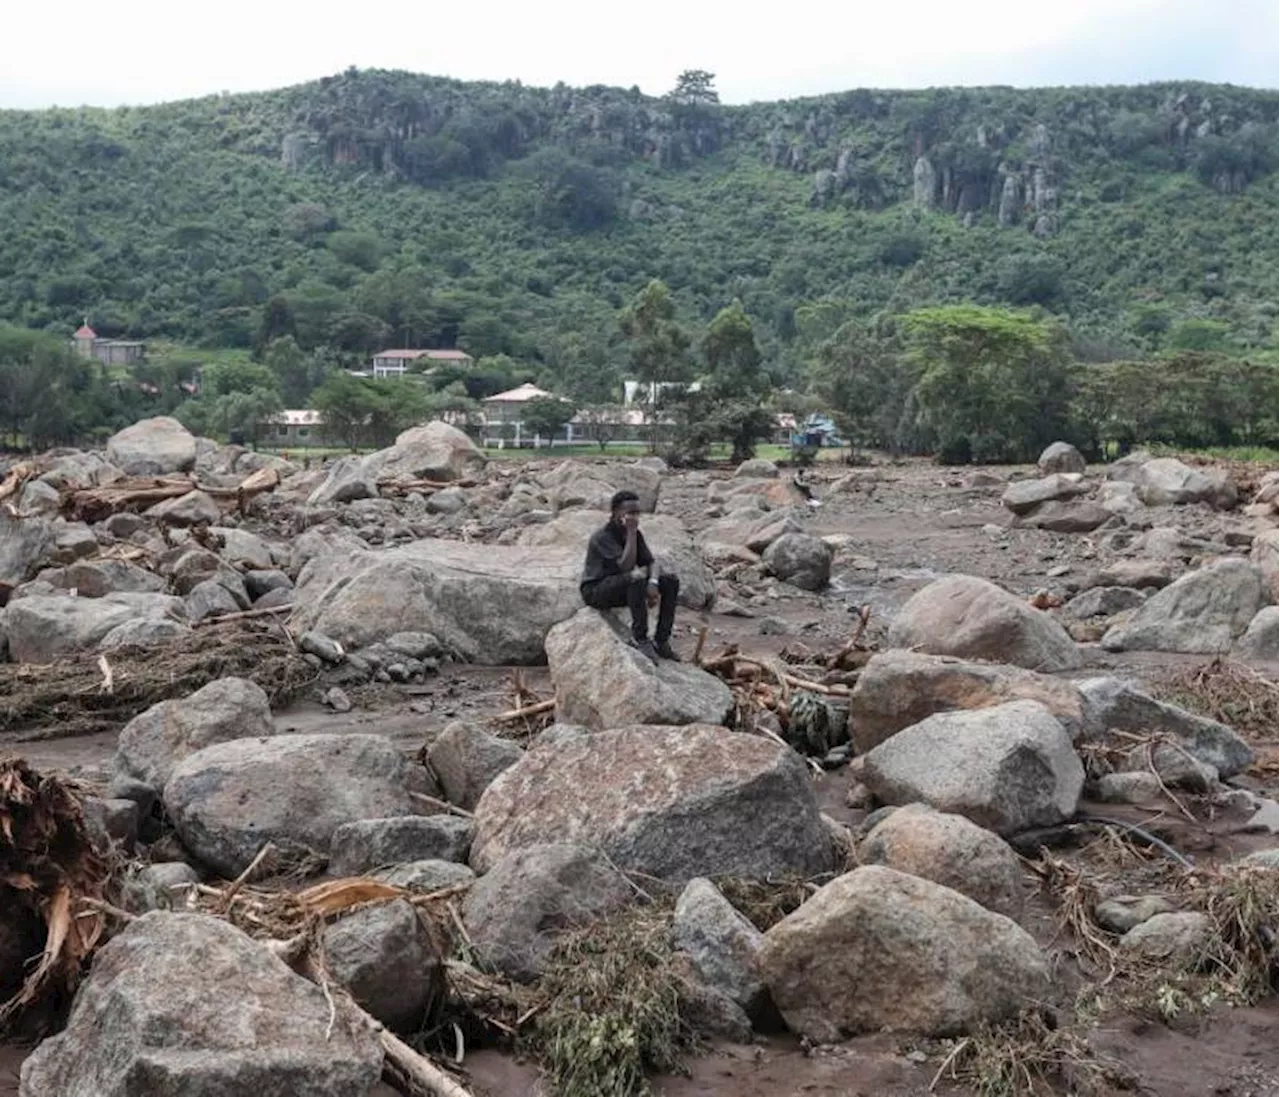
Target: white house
[
  {"x": 637, "y": 392},
  {"x": 395, "y": 363}
]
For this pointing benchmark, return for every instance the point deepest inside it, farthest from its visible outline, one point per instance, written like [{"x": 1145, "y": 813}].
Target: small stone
[
  {"x": 337, "y": 699},
  {"x": 1171, "y": 937},
  {"x": 426, "y": 876},
  {"x": 1059, "y": 571},
  {"x": 1128, "y": 788},
  {"x": 319, "y": 645},
  {"x": 1121, "y": 913}
]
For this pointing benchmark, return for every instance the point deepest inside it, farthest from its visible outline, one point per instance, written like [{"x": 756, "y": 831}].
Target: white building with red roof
[{"x": 110, "y": 352}]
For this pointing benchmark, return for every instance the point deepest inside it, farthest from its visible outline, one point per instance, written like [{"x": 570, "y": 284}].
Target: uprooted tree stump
[{"x": 48, "y": 869}]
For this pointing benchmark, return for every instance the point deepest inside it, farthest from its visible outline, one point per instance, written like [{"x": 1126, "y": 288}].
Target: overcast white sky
[{"x": 109, "y": 52}]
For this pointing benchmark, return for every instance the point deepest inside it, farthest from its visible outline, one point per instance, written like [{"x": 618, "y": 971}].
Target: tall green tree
[
  {"x": 994, "y": 384},
  {"x": 863, "y": 384},
  {"x": 729, "y": 403},
  {"x": 658, "y": 347},
  {"x": 547, "y": 415}
]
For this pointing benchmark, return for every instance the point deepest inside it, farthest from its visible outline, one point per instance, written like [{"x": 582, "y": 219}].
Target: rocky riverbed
[{"x": 943, "y": 751}]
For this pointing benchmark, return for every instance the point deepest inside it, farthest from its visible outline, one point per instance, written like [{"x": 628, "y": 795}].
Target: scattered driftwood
[
  {"x": 393, "y": 486},
  {"x": 95, "y": 504},
  {"x": 412, "y": 1074},
  {"x": 243, "y": 615},
  {"x": 853, "y": 653},
  {"x": 524, "y": 713}
]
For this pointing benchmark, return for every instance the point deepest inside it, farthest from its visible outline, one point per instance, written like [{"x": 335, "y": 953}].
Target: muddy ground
[{"x": 910, "y": 523}]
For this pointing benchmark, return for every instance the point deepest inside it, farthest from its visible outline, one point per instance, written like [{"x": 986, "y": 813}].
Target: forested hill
[{"x": 383, "y": 208}]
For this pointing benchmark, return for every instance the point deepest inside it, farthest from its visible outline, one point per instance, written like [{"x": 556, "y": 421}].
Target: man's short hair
[{"x": 620, "y": 497}]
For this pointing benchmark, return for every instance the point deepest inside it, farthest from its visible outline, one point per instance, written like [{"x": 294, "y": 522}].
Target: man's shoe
[
  {"x": 666, "y": 651},
  {"x": 646, "y": 648}
]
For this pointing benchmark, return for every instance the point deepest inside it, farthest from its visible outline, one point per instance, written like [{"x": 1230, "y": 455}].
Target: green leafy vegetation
[{"x": 307, "y": 228}]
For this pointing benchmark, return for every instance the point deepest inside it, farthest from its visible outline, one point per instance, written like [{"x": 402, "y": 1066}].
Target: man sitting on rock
[{"x": 621, "y": 571}]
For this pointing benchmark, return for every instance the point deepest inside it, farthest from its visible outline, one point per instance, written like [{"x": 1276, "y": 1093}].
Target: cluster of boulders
[
  {"x": 1064, "y": 500},
  {"x": 971, "y": 727},
  {"x": 364, "y": 552},
  {"x": 964, "y": 741}
]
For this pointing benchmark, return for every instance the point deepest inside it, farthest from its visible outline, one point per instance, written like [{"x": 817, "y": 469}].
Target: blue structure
[{"x": 816, "y": 431}]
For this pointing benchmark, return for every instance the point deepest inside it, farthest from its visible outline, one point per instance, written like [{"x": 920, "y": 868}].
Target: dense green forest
[{"x": 370, "y": 209}]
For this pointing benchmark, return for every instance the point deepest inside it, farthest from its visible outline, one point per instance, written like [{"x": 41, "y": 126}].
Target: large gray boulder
[
  {"x": 243, "y": 549},
  {"x": 347, "y": 480},
  {"x": 756, "y": 468},
  {"x": 294, "y": 791},
  {"x": 45, "y": 627},
  {"x": 142, "y": 633},
  {"x": 323, "y": 540},
  {"x": 1007, "y": 768},
  {"x": 96, "y": 578},
  {"x": 754, "y": 530},
  {"x": 670, "y": 802},
  {"x": 1260, "y": 642},
  {"x": 1080, "y": 516},
  {"x": 515, "y": 911},
  {"x": 602, "y": 682},
  {"x": 1165, "y": 481},
  {"x": 154, "y": 742},
  {"x": 949, "y": 850},
  {"x": 383, "y": 956},
  {"x": 1103, "y": 602},
  {"x": 186, "y": 510},
  {"x": 1024, "y": 496},
  {"x": 434, "y": 451},
  {"x": 970, "y": 618},
  {"x": 1112, "y": 704},
  {"x": 73, "y": 470},
  {"x": 153, "y": 447},
  {"x": 1203, "y": 612},
  {"x": 466, "y": 759},
  {"x": 899, "y": 688},
  {"x": 1265, "y": 555},
  {"x": 494, "y": 606},
  {"x": 723, "y": 946},
  {"x": 878, "y": 949},
  {"x": 1060, "y": 457},
  {"x": 187, "y": 1004},
  {"x": 666, "y": 537},
  {"x": 26, "y": 545},
  {"x": 577, "y": 483},
  {"x": 800, "y": 560}
]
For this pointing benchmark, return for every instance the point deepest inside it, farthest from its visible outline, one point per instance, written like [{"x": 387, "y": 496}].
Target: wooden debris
[
  {"x": 95, "y": 504},
  {"x": 243, "y": 615},
  {"x": 524, "y": 713}
]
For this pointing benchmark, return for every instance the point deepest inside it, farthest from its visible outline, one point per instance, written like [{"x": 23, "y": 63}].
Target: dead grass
[
  {"x": 69, "y": 697},
  {"x": 765, "y": 903},
  {"x": 1227, "y": 692},
  {"x": 1030, "y": 1057}
]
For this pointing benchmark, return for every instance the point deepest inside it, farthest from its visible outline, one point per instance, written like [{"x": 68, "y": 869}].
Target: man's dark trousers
[{"x": 614, "y": 591}]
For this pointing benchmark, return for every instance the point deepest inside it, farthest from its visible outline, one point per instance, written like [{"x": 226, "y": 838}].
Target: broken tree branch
[
  {"x": 243, "y": 615},
  {"x": 528, "y": 710}
]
